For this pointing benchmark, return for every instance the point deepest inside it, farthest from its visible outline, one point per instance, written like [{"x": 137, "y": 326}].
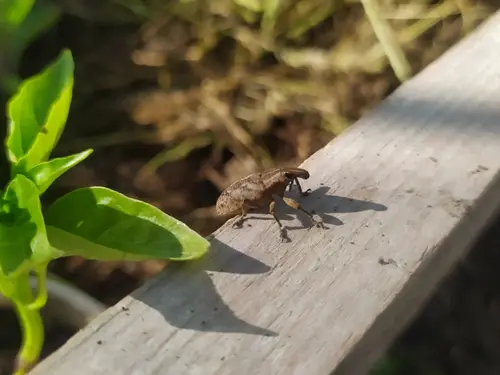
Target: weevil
[{"x": 262, "y": 189}]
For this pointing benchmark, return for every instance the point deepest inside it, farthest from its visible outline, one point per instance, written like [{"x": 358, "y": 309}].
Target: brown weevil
[{"x": 263, "y": 189}]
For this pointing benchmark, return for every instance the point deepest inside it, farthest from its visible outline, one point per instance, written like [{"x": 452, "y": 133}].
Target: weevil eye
[{"x": 288, "y": 176}]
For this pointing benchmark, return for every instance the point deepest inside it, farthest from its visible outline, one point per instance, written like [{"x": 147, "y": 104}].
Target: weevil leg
[
  {"x": 301, "y": 192},
  {"x": 272, "y": 211},
  {"x": 238, "y": 223},
  {"x": 296, "y": 205}
]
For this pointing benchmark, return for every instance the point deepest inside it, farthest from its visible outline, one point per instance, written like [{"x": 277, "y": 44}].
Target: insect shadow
[
  {"x": 186, "y": 296},
  {"x": 321, "y": 204},
  {"x": 185, "y": 293}
]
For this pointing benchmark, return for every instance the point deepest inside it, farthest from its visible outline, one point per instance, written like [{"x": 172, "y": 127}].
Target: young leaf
[
  {"x": 38, "y": 113},
  {"x": 13, "y": 12},
  {"x": 99, "y": 223},
  {"x": 23, "y": 236},
  {"x": 44, "y": 174},
  {"x": 42, "y": 16}
]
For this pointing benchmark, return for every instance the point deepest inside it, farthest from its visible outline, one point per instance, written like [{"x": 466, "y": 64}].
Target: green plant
[
  {"x": 20, "y": 22},
  {"x": 93, "y": 222}
]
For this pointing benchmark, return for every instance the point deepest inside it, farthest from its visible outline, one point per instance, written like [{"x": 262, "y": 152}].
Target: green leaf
[
  {"x": 15, "y": 245},
  {"x": 23, "y": 235},
  {"x": 42, "y": 16},
  {"x": 38, "y": 113},
  {"x": 44, "y": 174},
  {"x": 13, "y": 12},
  {"x": 102, "y": 224}
]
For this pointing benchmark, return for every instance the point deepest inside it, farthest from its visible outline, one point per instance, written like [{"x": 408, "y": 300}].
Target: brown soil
[{"x": 120, "y": 109}]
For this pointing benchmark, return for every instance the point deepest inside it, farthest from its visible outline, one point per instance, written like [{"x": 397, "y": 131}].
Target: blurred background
[{"x": 181, "y": 98}]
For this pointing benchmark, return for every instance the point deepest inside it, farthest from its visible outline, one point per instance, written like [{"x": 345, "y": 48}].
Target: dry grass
[{"x": 227, "y": 69}]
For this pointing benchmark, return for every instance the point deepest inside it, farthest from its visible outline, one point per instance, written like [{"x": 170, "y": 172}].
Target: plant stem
[
  {"x": 31, "y": 325},
  {"x": 388, "y": 40},
  {"x": 41, "y": 298}
]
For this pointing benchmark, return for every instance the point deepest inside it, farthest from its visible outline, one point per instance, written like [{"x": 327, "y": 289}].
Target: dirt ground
[{"x": 120, "y": 110}]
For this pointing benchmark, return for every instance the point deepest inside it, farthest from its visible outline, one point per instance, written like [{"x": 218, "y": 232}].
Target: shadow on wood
[
  {"x": 185, "y": 312},
  {"x": 325, "y": 205},
  {"x": 319, "y": 203}
]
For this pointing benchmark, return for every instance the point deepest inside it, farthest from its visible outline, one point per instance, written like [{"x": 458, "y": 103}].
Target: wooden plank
[{"x": 415, "y": 181}]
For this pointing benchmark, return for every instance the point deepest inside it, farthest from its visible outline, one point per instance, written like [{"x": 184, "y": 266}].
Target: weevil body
[{"x": 262, "y": 189}]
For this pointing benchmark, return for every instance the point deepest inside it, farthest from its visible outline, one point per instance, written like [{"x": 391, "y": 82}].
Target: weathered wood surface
[{"x": 415, "y": 181}]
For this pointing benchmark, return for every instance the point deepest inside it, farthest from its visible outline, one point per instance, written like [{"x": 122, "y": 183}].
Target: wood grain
[{"x": 412, "y": 184}]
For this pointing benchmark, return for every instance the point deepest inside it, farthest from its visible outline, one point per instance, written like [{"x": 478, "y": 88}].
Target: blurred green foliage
[{"x": 21, "y": 21}]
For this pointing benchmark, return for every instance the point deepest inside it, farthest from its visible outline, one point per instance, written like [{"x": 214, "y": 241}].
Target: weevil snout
[{"x": 291, "y": 173}]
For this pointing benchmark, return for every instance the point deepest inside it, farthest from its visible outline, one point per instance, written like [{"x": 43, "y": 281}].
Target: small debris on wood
[{"x": 386, "y": 261}]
